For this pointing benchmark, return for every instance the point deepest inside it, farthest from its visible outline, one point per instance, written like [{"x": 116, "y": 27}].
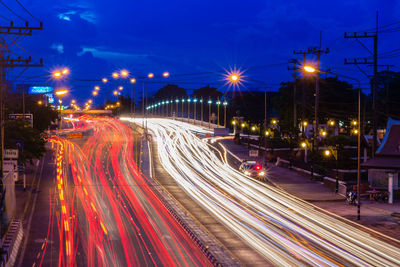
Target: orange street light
[
  {"x": 120, "y": 88},
  {"x": 165, "y": 74},
  {"x": 124, "y": 73},
  {"x": 57, "y": 74},
  {"x": 94, "y": 93},
  {"x": 115, "y": 75},
  {"x": 104, "y": 80},
  {"x": 309, "y": 69},
  {"x": 65, "y": 71},
  {"x": 133, "y": 80},
  {"x": 40, "y": 102},
  {"x": 150, "y": 75},
  {"x": 97, "y": 88},
  {"x": 115, "y": 92},
  {"x": 61, "y": 92}
]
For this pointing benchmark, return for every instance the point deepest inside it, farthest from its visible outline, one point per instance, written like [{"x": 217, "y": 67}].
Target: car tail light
[{"x": 258, "y": 167}]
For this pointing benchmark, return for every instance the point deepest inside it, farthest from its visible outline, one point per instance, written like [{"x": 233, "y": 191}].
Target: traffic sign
[{"x": 11, "y": 153}]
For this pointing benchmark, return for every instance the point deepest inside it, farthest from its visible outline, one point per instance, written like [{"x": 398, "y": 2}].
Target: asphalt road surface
[
  {"x": 284, "y": 229},
  {"x": 104, "y": 211}
]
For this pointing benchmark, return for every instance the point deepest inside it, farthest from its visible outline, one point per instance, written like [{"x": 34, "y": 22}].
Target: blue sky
[{"x": 95, "y": 38}]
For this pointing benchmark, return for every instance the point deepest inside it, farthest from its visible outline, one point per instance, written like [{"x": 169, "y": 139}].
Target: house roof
[{"x": 388, "y": 154}]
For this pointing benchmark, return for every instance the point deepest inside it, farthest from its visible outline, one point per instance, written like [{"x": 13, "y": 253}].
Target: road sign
[
  {"x": 28, "y": 117},
  {"x": 253, "y": 153},
  {"x": 10, "y": 165},
  {"x": 11, "y": 153}
]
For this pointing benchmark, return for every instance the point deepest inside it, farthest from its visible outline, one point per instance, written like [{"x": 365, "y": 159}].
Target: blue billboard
[
  {"x": 40, "y": 89},
  {"x": 50, "y": 98}
]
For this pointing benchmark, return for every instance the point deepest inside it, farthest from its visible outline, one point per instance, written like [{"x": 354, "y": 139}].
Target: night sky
[{"x": 94, "y": 38}]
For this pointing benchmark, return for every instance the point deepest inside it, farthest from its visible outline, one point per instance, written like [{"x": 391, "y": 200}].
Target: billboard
[
  {"x": 34, "y": 90},
  {"x": 50, "y": 98}
]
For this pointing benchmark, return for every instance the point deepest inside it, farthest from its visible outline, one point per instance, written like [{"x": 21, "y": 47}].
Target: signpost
[
  {"x": 28, "y": 117},
  {"x": 10, "y": 162},
  {"x": 253, "y": 153}
]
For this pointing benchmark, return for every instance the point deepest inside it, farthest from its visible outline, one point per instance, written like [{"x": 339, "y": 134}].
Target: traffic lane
[
  {"x": 282, "y": 213},
  {"x": 116, "y": 169}
]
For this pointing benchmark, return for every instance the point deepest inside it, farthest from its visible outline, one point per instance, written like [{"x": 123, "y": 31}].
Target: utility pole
[
  {"x": 316, "y": 51},
  {"x": 294, "y": 61},
  {"x": 365, "y": 61},
  {"x": 7, "y": 62},
  {"x": 303, "y": 93}
]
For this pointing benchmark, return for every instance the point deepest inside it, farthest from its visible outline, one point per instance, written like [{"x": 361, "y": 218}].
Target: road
[
  {"x": 283, "y": 228},
  {"x": 106, "y": 212}
]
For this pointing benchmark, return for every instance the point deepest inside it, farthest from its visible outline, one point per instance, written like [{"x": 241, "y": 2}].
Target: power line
[
  {"x": 12, "y": 11},
  {"x": 29, "y": 13}
]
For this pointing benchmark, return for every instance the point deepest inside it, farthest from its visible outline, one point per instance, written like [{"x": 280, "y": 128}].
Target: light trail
[
  {"x": 283, "y": 228},
  {"x": 108, "y": 209}
]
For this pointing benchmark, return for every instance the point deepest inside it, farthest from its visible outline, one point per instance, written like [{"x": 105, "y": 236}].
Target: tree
[
  {"x": 16, "y": 131},
  {"x": 207, "y": 92},
  {"x": 168, "y": 92}
]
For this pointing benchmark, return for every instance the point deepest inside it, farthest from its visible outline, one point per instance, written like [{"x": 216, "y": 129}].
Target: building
[{"x": 384, "y": 168}]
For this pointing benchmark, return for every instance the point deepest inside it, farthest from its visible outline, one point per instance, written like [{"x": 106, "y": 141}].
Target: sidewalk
[
  {"x": 290, "y": 181},
  {"x": 381, "y": 217}
]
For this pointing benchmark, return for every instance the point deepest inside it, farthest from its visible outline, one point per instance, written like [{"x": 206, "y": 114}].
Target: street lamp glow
[
  {"x": 61, "y": 92},
  {"x": 115, "y": 92},
  {"x": 274, "y": 122},
  {"x": 150, "y": 75},
  {"x": 57, "y": 74},
  {"x": 309, "y": 69},
  {"x": 133, "y": 80},
  {"x": 94, "y": 93},
  {"x": 253, "y": 128},
  {"x": 104, "y": 80},
  {"x": 305, "y": 123},
  {"x": 233, "y": 122},
  {"x": 323, "y": 133},
  {"x": 97, "y": 88},
  {"x": 65, "y": 71},
  {"x": 243, "y": 125},
  {"x": 124, "y": 73},
  {"x": 115, "y": 75},
  {"x": 354, "y": 122},
  {"x": 327, "y": 153},
  {"x": 90, "y": 101},
  {"x": 40, "y": 102},
  {"x": 165, "y": 74},
  {"x": 266, "y": 133},
  {"x": 331, "y": 123},
  {"x": 303, "y": 144},
  {"x": 120, "y": 88}
]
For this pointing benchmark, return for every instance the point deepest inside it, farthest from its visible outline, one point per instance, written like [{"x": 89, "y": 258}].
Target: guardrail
[{"x": 11, "y": 243}]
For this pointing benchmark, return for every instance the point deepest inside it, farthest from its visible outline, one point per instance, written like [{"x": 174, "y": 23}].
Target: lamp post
[
  {"x": 218, "y": 103},
  {"x": 176, "y": 107},
  {"x": 195, "y": 111},
  {"x": 225, "y": 104},
  {"x": 183, "y": 101},
  {"x": 188, "y": 115},
  {"x": 60, "y": 93},
  {"x": 201, "y": 110},
  {"x": 311, "y": 69},
  {"x": 209, "y": 112},
  {"x": 334, "y": 152}
]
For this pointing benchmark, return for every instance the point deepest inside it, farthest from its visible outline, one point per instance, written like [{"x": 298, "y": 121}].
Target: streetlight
[
  {"x": 188, "y": 116},
  {"x": 195, "y": 111},
  {"x": 358, "y": 131},
  {"x": 209, "y": 113},
  {"x": 165, "y": 74},
  {"x": 334, "y": 152},
  {"x": 115, "y": 75},
  {"x": 218, "y": 103},
  {"x": 60, "y": 93},
  {"x": 225, "y": 104},
  {"x": 176, "y": 108},
  {"x": 104, "y": 80},
  {"x": 124, "y": 73},
  {"x": 94, "y": 93}
]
